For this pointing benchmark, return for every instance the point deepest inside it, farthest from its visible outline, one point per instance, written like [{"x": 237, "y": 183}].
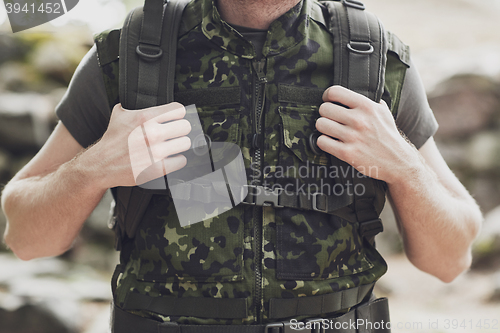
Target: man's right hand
[
  {"x": 49, "y": 199},
  {"x": 142, "y": 145}
]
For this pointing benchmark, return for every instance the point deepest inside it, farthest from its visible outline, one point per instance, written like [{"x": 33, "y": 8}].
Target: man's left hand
[{"x": 364, "y": 134}]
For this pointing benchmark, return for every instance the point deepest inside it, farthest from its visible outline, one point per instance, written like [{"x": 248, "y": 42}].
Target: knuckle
[
  {"x": 349, "y": 136},
  {"x": 360, "y": 124},
  {"x": 347, "y": 154}
]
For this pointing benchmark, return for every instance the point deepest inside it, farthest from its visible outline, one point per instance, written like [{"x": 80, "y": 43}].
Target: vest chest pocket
[
  {"x": 299, "y": 124},
  {"x": 313, "y": 245}
]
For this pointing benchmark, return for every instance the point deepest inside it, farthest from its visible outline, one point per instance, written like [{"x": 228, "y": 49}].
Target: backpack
[{"x": 360, "y": 48}]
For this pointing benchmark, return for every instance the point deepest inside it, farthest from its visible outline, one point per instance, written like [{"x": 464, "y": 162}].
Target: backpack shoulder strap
[
  {"x": 148, "y": 47},
  {"x": 360, "y": 48},
  {"x": 107, "y": 46}
]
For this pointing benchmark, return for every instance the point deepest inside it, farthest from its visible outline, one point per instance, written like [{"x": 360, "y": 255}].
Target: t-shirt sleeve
[
  {"x": 84, "y": 108},
  {"x": 415, "y": 117}
]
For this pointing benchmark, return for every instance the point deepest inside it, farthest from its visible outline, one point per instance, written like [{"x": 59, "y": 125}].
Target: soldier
[{"x": 252, "y": 266}]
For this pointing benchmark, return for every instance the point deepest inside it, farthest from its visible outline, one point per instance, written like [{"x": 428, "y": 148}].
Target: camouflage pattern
[{"x": 303, "y": 252}]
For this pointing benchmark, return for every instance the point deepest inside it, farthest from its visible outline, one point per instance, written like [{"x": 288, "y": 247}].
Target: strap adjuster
[
  {"x": 371, "y": 228},
  {"x": 360, "y": 47},
  {"x": 354, "y": 4},
  {"x": 149, "y": 52},
  {"x": 315, "y": 202},
  {"x": 249, "y": 198}
]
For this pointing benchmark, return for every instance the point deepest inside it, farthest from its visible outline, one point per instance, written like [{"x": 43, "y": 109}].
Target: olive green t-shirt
[{"x": 84, "y": 109}]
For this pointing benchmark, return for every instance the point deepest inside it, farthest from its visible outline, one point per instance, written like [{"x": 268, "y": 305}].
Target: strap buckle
[
  {"x": 315, "y": 202},
  {"x": 263, "y": 196},
  {"x": 354, "y": 4}
]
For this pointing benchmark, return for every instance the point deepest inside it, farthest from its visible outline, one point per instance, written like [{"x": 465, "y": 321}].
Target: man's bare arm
[
  {"x": 437, "y": 217},
  {"x": 47, "y": 202},
  {"x": 49, "y": 187},
  {"x": 439, "y": 230}
]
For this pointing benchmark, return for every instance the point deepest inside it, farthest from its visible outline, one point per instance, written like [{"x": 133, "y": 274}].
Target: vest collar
[{"x": 285, "y": 32}]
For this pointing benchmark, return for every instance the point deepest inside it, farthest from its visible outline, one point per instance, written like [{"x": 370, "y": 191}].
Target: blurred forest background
[{"x": 455, "y": 45}]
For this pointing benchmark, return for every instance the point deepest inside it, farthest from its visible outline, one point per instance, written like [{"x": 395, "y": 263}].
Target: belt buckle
[{"x": 267, "y": 197}]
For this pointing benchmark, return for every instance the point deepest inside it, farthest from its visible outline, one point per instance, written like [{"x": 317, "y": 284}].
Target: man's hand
[
  {"x": 135, "y": 138},
  {"x": 365, "y": 135},
  {"x": 437, "y": 218}
]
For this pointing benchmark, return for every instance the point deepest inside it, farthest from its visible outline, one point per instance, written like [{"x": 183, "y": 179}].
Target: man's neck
[{"x": 257, "y": 14}]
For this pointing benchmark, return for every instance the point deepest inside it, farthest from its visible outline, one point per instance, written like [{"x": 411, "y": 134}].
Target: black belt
[
  {"x": 233, "y": 308},
  {"x": 370, "y": 317}
]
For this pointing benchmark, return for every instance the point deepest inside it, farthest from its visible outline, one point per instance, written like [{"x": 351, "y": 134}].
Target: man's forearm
[
  {"x": 45, "y": 213},
  {"x": 438, "y": 225}
]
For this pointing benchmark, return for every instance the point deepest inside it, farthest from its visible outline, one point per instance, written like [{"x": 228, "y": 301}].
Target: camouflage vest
[{"x": 255, "y": 264}]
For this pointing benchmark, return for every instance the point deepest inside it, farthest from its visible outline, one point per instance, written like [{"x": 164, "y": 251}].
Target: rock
[
  {"x": 50, "y": 292},
  {"x": 58, "y": 56},
  {"x": 484, "y": 188},
  {"x": 26, "y": 120},
  {"x": 5, "y": 161},
  {"x": 3, "y": 223},
  {"x": 464, "y": 105},
  {"x": 495, "y": 295},
  {"x": 32, "y": 318},
  {"x": 484, "y": 151},
  {"x": 12, "y": 48},
  {"x": 486, "y": 248},
  {"x": 18, "y": 77}
]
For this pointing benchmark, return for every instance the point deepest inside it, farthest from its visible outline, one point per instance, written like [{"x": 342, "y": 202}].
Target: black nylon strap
[
  {"x": 261, "y": 196},
  {"x": 173, "y": 18},
  {"x": 152, "y": 20},
  {"x": 150, "y": 54},
  {"x": 142, "y": 82},
  {"x": 361, "y": 44},
  {"x": 315, "y": 305},
  {"x": 359, "y": 64},
  {"x": 372, "y": 313},
  {"x": 230, "y": 308},
  {"x": 119, "y": 269},
  {"x": 355, "y": 33}
]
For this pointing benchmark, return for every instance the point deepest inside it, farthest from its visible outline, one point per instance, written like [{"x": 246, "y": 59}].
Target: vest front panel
[{"x": 302, "y": 252}]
